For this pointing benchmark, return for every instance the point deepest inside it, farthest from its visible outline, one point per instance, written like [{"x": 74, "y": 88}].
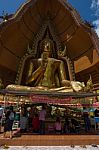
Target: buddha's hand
[
  {"x": 44, "y": 65},
  {"x": 77, "y": 86}
]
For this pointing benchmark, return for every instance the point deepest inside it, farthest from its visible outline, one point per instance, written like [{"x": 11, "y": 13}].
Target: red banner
[
  {"x": 65, "y": 101},
  {"x": 45, "y": 99}
]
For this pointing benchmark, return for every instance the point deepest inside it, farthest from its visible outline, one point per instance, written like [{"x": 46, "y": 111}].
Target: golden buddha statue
[{"x": 50, "y": 75}]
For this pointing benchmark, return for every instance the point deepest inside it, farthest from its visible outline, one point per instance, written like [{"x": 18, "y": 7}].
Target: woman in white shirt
[{"x": 23, "y": 123}]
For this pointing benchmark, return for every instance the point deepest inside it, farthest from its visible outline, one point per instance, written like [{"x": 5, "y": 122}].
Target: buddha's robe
[{"x": 49, "y": 75}]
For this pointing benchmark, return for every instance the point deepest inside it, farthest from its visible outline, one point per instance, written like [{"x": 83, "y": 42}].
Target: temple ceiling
[{"x": 19, "y": 31}]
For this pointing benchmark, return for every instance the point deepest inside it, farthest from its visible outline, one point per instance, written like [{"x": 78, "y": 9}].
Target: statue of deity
[{"x": 49, "y": 75}]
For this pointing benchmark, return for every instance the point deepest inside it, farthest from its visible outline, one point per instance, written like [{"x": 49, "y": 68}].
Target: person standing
[
  {"x": 42, "y": 115},
  {"x": 23, "y": 123},
  {"x": 1, "y": 114},
  {"x": 86, "y": 119},
  {"x": 35, "y": 123},
  {"x": 58, "y": 126},
  {"x": 10, "y": 115},
  {"x": 7, "y": 125},
  {"x": 96, "y": 114}
]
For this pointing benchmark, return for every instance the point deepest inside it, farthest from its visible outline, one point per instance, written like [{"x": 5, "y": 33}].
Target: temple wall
[
  {"x": 86, "y": 61},
  {"x": 8, "y": 60},
  {"x": 84, "y": 68},
  {"x": 8, "y": 76}
]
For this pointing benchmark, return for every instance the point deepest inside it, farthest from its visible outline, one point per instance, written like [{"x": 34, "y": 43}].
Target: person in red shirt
[{"x": 35, "y": 123}]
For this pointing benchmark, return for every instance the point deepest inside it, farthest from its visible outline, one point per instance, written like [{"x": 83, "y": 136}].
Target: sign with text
[{"x": 45, "y": 99}]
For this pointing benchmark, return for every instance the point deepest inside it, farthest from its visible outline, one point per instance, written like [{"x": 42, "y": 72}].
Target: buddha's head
[
  {"x": 46, "y": 51},
  {"x": 47, "y": 48}
]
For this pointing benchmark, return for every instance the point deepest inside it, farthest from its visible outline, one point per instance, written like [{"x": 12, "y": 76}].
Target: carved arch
[{"x": 34, "y": 50}]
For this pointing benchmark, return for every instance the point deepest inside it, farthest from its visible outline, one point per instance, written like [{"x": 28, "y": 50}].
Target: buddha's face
[
  {"x": 47, "y": 47},
  {"x": 45, "y": 55}
]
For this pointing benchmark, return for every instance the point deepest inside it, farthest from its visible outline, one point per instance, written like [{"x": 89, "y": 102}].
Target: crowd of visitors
[{"x": 35, "y": 121}]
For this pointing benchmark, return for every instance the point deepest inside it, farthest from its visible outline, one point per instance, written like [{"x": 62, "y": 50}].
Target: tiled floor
[
  {"x": 87, "y": 147},
  {"x": 51, "y": 140}
]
